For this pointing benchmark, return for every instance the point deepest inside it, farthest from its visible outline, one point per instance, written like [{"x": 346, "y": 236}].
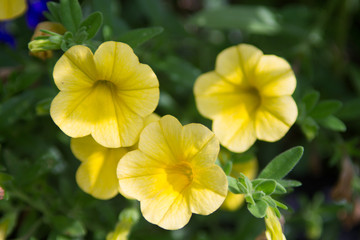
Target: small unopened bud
[
  {"x": 128, "y": 217},
  {"x": 41, "y": 48},
  {"x": 273, "y": 226}
]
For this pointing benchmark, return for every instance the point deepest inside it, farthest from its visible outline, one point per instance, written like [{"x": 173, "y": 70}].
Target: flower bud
[{"x": 41, "y": 48}]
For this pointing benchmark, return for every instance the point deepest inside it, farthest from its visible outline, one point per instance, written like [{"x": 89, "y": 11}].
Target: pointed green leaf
[
  {"x": 280, "y": 189},
  {"x": 233, "y": 186},
  {"x": 253, "y": 19},
  {"x": 54, "y": 10},
  {"x": 282, "y": 164},
  {"x": 266, "y": 186},
  {"x": 280, "y": 205},
  {"x": 310, "y": 100},
  {"x": 246, "y": 182},
  {"x": 333, "y": 123},
  {"x": 310, "y": 128},
  {"x": 258, "y": 195},
  {"x": 4, "y": 177},
  {"x": 137, "y": 37},
  {"x": 71, "y": 14},
  {"x": 92, "y": 24},
  {"x": 258, "y": 209},
  {"x": 289, "y": 183},
  {"x": 325, "y": 109}
]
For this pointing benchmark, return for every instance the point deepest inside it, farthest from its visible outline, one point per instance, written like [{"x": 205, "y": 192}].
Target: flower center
[
  {"x": 179, "y": 175},
  {"x": 104, "y": 84},
  {"x": 251, "y": 98}
]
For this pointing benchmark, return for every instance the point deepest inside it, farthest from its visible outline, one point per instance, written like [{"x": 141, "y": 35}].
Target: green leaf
[
  {"x": 310, "y": 128},
  {"x": 54, "y": 9},
  {"x": 244, "y": 180},
  {"x": 227, "y": 168},
  {"x": 258, "y": 209},
  {"x": 253, "y": 19},
  {"x": 310, "y": 100},
  {"x": 92, "y": 24},
  {"x": 258, "y": 195},
  {"x": 279, "y": 189},
  {"x": 71, "y": 14},
  {"x": 289, "y": 183},
  {"x": 266, "y": 186},
  {"x": 14, "y": 108},
  {"x": 138, "y": 36},
  {"x": 350, "y": 110},
  {"x": 68, "y": 226},
  {"x": 233, "y": 185},
  {"x": 333, "y": 123},
  {"x": 280, "y": 205},
  {"x": 325, "y": 109},
  {"x": 4, "y": 177},
  {"x": 282, "y": 164}
]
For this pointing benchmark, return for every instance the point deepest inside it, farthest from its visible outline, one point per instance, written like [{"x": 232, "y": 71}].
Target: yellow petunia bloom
[
  {"x": 273, "y": 226},
  {"x": 248, "y": 97},
  {"x": 249, "y": 168},
  {"x": 173, "y": 173},
  {"x": 97, "y": 172},
  {"x": 10, "y": 9},
  {"x": 107, "y": 94}
]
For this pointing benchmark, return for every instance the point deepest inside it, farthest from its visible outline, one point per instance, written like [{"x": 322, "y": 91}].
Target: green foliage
[
  {"x": 137, "y": 37},
  {"x": 282, "y": 164}
]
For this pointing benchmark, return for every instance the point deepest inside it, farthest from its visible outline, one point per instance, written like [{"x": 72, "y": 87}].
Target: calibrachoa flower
[
  {"x": 10, "y": 9},
  {"x": 249, "y": 168},
  {"x": 97, "y": 172},
  {"x": 248, "y": 96},
  {"x": 107, "y": 94},
  {"x": 273, "y": 226},
  {"x": 173, "y": 173}
]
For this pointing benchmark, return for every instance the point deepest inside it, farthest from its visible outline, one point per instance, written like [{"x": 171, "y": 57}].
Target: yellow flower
[
  {"x": 249, "y": 168},
  {"x": 173, "y": 173},
  {"x": 97, "y": 172},
  {"x": 273, "y": 226},
  {"x": 107, "y": 94},
  {"x": 248, "y": 96},
  {"x": 11, "y": 8}
]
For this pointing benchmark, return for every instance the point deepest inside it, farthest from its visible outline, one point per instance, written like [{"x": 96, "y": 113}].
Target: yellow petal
[
  {"x": 70, "y": 111},
  {"x": 249, "y": 168},
  {"x": 11, "y": 9},
  {"x": 235, "y": 130},
  {"x": 140, "y": 176},
  {"x": 115, "y": 61},
  {"x": 274, "y": 76},
  {"x": 75, "y": 70},
  {"x": 85, "y": 147},
  {"x": 160, "y": 140},
  {"x": 169, "y": 210},
  {"x": 275, "y": 117},
  {"x": 199, "y": 145},
  {"x": 213, "y": 95},
  {"x": 208, "y": 190},
  {"x": 237, "y": 63},
  {"x": 97, "y": 175}
]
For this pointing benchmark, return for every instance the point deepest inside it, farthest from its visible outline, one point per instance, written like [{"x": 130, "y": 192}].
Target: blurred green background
[{"x": 180, "y": 40}]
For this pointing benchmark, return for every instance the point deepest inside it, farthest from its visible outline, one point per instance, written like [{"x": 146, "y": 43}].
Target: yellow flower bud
[{"x": 273, "y": 226}]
